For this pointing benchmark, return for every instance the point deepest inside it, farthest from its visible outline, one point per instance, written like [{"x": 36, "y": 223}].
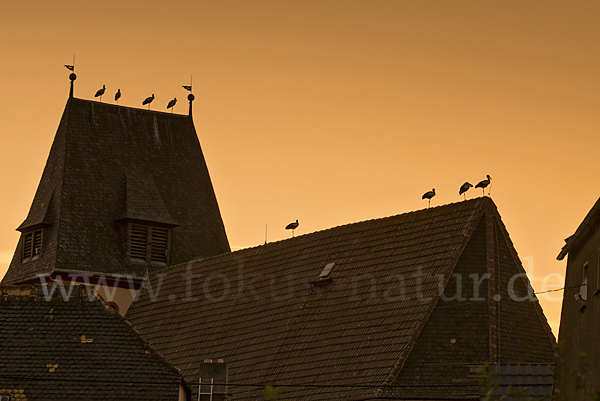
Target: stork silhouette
[
  {"x": 428, "y": 195},
  {"x": 483, "y": 184},
  {"x": 148, "y": 100},
  {"x": 171, "y": 104},
  {"x": 292, "y": 226},
  {"x": 100, "y": 92},
  {"x": 464, "y": 188}
]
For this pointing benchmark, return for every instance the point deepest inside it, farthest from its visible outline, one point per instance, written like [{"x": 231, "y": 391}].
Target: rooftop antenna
[
  {"x": 266, "y": 234},
  {"x": 72, "y": 76},
  {"x": 191, "y": 96}
]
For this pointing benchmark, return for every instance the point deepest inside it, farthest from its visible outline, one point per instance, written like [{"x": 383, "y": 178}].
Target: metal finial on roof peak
[{"x": 72, "y": 76}]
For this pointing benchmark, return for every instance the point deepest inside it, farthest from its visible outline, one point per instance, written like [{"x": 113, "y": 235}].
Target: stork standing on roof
[
  {"x": 148, "y": 100},
  {"x": 172, "y": 104},
  {"x": 292, "y": 226},
  {"x": 483, "y": 184},
  {"x": 428, "y": 195},
  {"x": 464, "y": 188},
  {"x": 100, "y": 92},
  {"x": 118, "y": 95}
]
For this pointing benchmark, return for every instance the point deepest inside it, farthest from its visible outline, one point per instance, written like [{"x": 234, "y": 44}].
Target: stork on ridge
[
  {"x": 100, "y": 92},
  {"x": 118, "y": 95},
  {"x": 428, "y": 195},
  {"x": 292, "y": 226},
  {"x": 464, "y": 188},
  {"x": 148, "y": 100},
  {"x": 483, "y": 184},
  {"x": 171, "y": 104}
]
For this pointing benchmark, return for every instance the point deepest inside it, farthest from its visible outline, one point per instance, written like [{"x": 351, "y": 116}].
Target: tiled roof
[
  {"x": 79, "y": 349},
  {"x": 587, "y": 227},
  {"x": 110, "y": 163},
  {"x": 371, "y": 324},
  {"x": 534, "y": 381}
]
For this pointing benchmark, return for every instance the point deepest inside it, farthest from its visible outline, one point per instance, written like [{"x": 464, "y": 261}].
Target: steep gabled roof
[
  {"x": 112, "y": 164},
  {"x": 77, "y": 348},
  {"x": 587, "y": 227},
  {"x": 270, "y": 316}
]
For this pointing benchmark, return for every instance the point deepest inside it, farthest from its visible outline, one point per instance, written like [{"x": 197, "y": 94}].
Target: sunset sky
[{"x": 331, "y": 112}]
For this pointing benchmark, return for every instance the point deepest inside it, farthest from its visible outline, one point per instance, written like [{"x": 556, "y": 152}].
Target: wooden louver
[
  {"x": 32, "y": 244},
  {"x": 149, "y": 244}
]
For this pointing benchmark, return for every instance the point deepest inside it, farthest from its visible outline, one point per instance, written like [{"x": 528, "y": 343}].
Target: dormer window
[
  {"x": 32, "y": 245},
  {"x": 149, "y": 244}
]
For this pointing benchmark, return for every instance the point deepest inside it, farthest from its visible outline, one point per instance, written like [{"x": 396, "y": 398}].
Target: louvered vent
[
  {"x": 138, "y": 242},
  {"x": 37, "y": 242},
  {"x": 160, "y": 245},
  {"x": 27, "y": 242},
  {"x": 32, "y": 245},
  {"x": 149, "y": 244}
]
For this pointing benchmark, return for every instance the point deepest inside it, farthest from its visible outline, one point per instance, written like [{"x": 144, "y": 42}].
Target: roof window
[{"x": 326, "y": 271}]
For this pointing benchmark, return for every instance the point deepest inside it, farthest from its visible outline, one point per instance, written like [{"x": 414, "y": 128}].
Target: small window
[
  {"x": 32, "y": 245},
  {"x": 5, "y": 398},
  {"x": 149, "y": 244}
]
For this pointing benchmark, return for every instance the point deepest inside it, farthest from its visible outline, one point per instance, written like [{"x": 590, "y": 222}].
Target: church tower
[{"x": 124, "y": 193}]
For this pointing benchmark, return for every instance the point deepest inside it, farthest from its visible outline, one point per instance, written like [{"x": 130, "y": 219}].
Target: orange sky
[{"x": 331, "y": 112}]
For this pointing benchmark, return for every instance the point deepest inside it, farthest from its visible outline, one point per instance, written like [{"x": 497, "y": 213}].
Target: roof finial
[
  {"x": 72, "y": 76},
  {"x": 191, "y": 96}
]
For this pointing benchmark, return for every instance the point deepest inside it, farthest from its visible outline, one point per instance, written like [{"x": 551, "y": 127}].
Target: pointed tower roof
[
  {"x": 110, "y": 166},
  {"x": 362, "y": 311}
]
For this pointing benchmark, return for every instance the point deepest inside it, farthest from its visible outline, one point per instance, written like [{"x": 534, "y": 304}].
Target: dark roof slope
[
  {"x": 267, "y": 313},
  {"x": 109, "y": 163},
  {"x": 587, "y": 227},
  {"x": 76, "y": 349}
]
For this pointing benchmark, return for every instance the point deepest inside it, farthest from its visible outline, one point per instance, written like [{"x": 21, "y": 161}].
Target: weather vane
[{"x": 72, "y": 76}]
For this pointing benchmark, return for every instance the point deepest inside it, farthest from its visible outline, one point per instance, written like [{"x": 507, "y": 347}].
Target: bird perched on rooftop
[
  {"x": 292, "y": 226},
  {"x": 118, "y": 95},
  {"x": 172, "y": 104},
  {"x": 100, "y": 92},
  {"x": 464, "y": 188},
  {"x": 428, "y": 195},
  {"x": 483, "y": 184},
  {"x": 148, "y": 100}
]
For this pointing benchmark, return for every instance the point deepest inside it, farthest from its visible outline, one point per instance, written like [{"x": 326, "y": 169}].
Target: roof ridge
[
  {"x": 96, "y": 103},
  {"x": 375, "y": 219}
]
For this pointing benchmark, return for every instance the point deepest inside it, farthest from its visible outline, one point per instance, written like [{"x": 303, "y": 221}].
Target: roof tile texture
[
  {"x": 265, "y": 313},
  {"x": 52, "y": 349}
]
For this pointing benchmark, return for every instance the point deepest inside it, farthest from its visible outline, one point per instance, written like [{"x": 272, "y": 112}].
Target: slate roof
[
  {"x": 112, "y": 163},
  {"x": 585, "y": 229},
  {"x": 531, "y": 381},
  {"x": 376, "y": 327},
  {"x": 79, "y": 349}
]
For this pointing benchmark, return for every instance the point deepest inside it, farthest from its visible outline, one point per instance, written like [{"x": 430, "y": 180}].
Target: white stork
[
  {"x": 483, "y": 184},
  {"x": 464, "y": 188},
  {"x": 100, "y": 92},
  {"x": 148, "y": 100},
  {"x": 428, "y": 195},
  {"x": 292, "y": 226}
]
